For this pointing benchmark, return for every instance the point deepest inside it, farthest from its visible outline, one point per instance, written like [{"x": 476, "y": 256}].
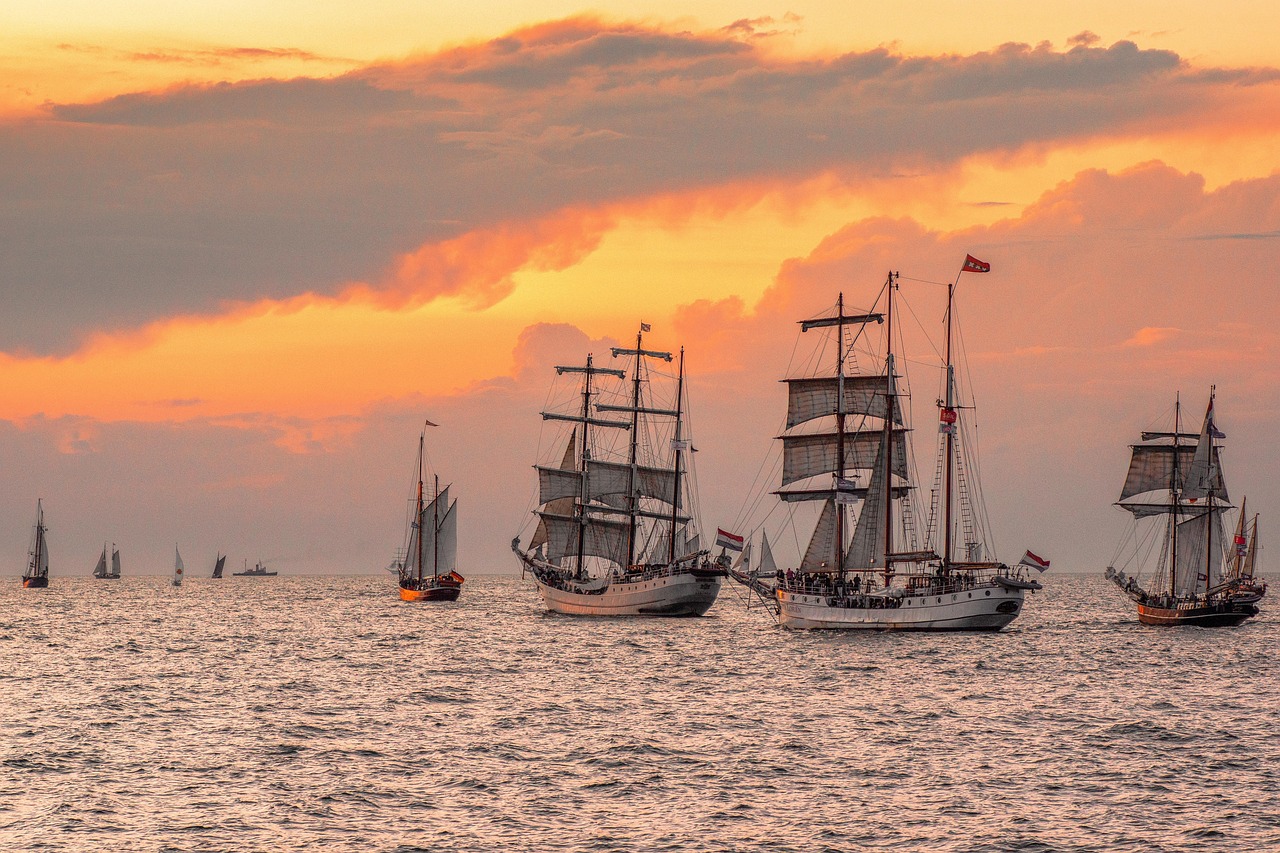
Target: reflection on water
[{"x": 324, "y": 713}]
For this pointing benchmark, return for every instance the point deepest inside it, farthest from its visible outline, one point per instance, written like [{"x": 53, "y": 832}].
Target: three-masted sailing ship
[
  {"x": 37, "y": 574},
  {"x": 429, "y": 571},
  {"x": 101, "y": 571},
  {"x": 845, "y": 445},
  {"x": 613, "y": 537},
  {"x": 1175, "y": 481}
]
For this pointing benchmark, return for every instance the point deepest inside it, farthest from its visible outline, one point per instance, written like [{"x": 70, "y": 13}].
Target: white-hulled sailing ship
[
  {"x": 429, "y": 570},
  {"x": 845, "y": 444},
  {"x": 613, "y": 537},
  {"x": 37, "y": 574},
  {"x": 1175, "y": 483},
  {"x": 101, "y": 571}
]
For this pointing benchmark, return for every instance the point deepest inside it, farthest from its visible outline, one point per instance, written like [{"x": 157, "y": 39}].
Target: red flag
[{"x": 972, "y": 264}]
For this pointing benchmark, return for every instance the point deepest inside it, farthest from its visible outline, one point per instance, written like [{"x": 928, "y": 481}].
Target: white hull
[
  {"x": 680, "y": 594},
  {"x": 986, "y": 608}
]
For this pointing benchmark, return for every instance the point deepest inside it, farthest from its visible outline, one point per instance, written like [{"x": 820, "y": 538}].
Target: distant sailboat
[
  {"x": 1177, "y": 477},
  {"x": 430, "y": 571},
  {"x": 101, "y": 572},
  {"x": 217, "y": 567},
  {"x": 37, "y": 574},
  {"x": 177, "y": 567}
]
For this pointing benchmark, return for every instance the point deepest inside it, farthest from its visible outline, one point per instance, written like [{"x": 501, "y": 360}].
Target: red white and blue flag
[
  {"x": 972, "y": 264},
  {"x": 725, "y": 539},
  {"x": 1035, "y": 562}
]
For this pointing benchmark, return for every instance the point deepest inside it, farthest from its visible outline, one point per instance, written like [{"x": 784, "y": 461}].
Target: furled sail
[
  {"x": 817, "y": 397},
  {"x": 806, "y": 456}
]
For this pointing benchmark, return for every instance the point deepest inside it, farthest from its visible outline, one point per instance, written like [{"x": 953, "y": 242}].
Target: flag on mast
[
  {"x": 972, "y": 264},
  {"x": 1035, "y": 562},
  {"x": 725, "y": 539}
]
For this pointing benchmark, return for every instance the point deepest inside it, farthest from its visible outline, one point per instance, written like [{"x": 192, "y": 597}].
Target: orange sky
[{"x": 230, "y": 228}]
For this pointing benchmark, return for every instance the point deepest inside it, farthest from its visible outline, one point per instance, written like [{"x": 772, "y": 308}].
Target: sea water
[{"x": 322, "y": 713}]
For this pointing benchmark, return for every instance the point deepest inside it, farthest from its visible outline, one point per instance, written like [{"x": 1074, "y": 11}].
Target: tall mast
[
  {"x": 888, "y": 433},
  {"x": 422, "y": 440},
  {"x": 675, "y": 504},
  {"x": 632, "y": 500},
  {"x": 950, "y": 435},
  {"x": 435, "y": 526},
  {"x": 1208, "y": 518},
  {"x": 586, "y": 454},
  {"x": 839, "y": 473},
  {"x": 1173, "y": 488}
]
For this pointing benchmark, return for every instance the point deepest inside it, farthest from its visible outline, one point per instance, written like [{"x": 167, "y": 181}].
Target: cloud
[
  {"x": 1150, "y": 336},
  {"x": 179, "y": 201}
]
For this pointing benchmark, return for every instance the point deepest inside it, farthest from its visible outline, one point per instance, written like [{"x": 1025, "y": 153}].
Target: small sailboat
[
  {"x": 429, "y": 573},
  {"x": 1175, "y": 481},
  {"x": 101, "y": 571},
  {"x": 219, "y": 564},
  {"x": 844, "y": 444},
  {"x": 177, "y": 567},
  {"x": 612, "y": 536},
  {"x": 259, "y": 570},
  {"x": 37, "y": 573}
]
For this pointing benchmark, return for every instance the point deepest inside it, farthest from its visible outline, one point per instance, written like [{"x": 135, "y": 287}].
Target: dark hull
[
  {"x": 36, "y": 582},
  {"x": 1210, "y": 616},
  {"x": 444, "y": 592},
  {"x": 252, "y": 574},
  {"x": 107, "y": 577}
]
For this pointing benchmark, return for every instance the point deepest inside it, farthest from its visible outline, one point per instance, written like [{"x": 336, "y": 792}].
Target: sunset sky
[{"x": 246, "y": 250}]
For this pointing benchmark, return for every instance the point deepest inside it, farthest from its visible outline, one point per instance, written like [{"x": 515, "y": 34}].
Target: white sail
[
  {"x": 806, "y": 456},
  {"x": 449, "y": 541},
  {"x": 767, "y": 564},
  {"x": 822, "y": 545},
  {"x": 742, "y": 563},
  {"x": 600, "y": 537},
  {"x": 115, "y": 562},
  {"x": 816, "y": 397},
  {"x": 177, "y": 567},
  {"x": 867, "y": 548},
  {"x": 606, "y": 479},
  {"x": 43, "y": 547},
  {"x": 1251, "y": 557},
  {"x": 561, "y": 505},
  {"x": 100, "y": 570},
  {"x": 1199, "y": 563}
]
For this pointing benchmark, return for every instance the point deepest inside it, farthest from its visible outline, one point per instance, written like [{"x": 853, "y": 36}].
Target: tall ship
[
  {"x": 259, "y": 570},
  {"x": 1176, "y": 486},
  {"x": 428, "y": 571},
  {"x": 613, "y": 535},
  {"x": 37, "y": 574},
  {"x": 101, "y": 570},
  {"x": 845, "y": 447},
  {"x": 218, "y": 565}
]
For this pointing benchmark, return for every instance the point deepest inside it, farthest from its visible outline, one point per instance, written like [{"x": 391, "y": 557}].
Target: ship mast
[
  {"x": 949, "y": 411},
  {"x": 422, "y": 440},
  {"x": 1208, "y": 527},
  {"x": 1173, "y": 488},
  {"x": 435, "y": 525},
  {"x": 839, "y": 472},
  {"x": 633, "y": 501},
  {"x": 678, "y": 447},
  {"x": 586, "y": 455},
  {"x": 890, "y": 284}
]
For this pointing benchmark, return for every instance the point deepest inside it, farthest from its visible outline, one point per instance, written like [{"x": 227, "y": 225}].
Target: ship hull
[
  {"x": 988, "y": 608},
  {"x": 433, "y": 593},
  {"x": 1210, "y": 616},
  {"x": 680, "y": 593},
  {"x": 35, "y": 583}
]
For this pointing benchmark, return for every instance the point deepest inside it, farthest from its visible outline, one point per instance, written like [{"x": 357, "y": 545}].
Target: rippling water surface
[{"x": 324, "y": 714}]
